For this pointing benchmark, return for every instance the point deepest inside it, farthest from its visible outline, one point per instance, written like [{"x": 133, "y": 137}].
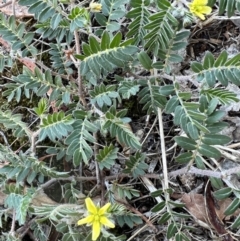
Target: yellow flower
[
  {"x": 199, "y": 8},
  {"x": 97, "y": 218},
  {"x": 95, "y": 7}
]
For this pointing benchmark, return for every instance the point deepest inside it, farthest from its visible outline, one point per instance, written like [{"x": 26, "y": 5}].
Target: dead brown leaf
[{"x": 195, "y": 204}]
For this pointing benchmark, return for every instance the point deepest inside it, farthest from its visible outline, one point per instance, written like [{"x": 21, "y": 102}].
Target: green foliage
[
  {"x": 86, "y": 67},
  {"x": 124, "y": 191},
  {"x": 139, "y": 15},
  {"x": 136, "y": 165},
  {"x": 101, "y": 58},
  {"x": 116, "y": 124},
  {"x": 128, "y": 88},
  {"x": 170, "y": 54},
  {"x": 14, "y": 122},
  {"x": 60, "y": 61},
  {"x": 56, "y": 125},
  {"x": 151, "y": 98},
  {"x": 107, "y": 156},
  {"x": 79, "y": 18},
  {"x": 161, "y": 27},
  {"x": 221, "y": 69},
  {"x": 42, "y": 84},
  {"x": 77, "y": 141},
  {"x": 112, "y": 12},
  {"x": 16, "y": 36},
  {"x": 223, "y": 96},
  {"x": 102, "y": 95}
]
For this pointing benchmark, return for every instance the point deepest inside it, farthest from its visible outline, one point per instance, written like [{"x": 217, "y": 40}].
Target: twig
[
  {"x": 13, "y": 222},
  {"x": 13, "y": 7},
  {"x": 184, "y": 170},
  {"x": 177, "y": 78},
  {"x": 6, "y": 4},
  {"x": 162, "y": 141},
  {"x": 154, "y": 123},
  {"x": 33, "y": 141}
]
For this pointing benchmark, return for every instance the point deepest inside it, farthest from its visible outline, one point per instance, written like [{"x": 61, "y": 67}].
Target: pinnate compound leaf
[
  {"x": 78, "y": 141},
  {"x": 136, "y": 165},
  {"x": 103, "y": 95},
  {"x": 107, "y": 156},
  {"x": 56, "y": 125},
  {"x": 128, "y": 89},
  {"x": 119, "y": 129}
]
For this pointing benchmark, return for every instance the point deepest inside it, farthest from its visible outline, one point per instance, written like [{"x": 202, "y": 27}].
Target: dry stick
[
  {"x": 13, "y": 7},
  {"x": 155, "y": 121},
  {"x": 162, "y": 140},
  {"x": 100, "y": 181},
  {"x": 177, "y": 78},
  {"x": 98, "y": 174},
  {"x": 13, "y": 222},
  {"x": 184, "y": 170},
  {"x": 80, "y": 91},
  {"x": 5, "y": 4},
  {"x": 234, "y": 145}
]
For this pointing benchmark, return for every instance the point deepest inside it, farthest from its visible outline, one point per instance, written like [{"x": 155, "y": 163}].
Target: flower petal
[
  {"x": 200, "y": 15},
  {"x": 104, "y": 209},
  {"x": 105, "y": 221},
  {"x": 203, "y": 2},
  {"x": 91, "y": 206},
  {"x": 200, "y": 2},
  {"x": 88, "y": 219},
  {"x": 96, "y": 228},
  {"x": 206, "y": 10}
]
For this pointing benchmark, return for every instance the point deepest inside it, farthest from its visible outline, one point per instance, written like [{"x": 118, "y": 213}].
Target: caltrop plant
[{"x": 79, "y": 64}]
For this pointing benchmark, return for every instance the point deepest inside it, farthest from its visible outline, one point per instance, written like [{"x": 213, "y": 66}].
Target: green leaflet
[
  {"x": 136, "y": 165},
  {"x": 232, "y": 207},
  {"x": 215, "y": 139},
  {"x": 185, "y": 143},
  {"x": 107, "y": 156},
  {"x": 145, "y": 60},
  {"x": 209, "y": 151},
  {"x": 223, "y": 193},
  {"x": 56, "y": 125}
]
